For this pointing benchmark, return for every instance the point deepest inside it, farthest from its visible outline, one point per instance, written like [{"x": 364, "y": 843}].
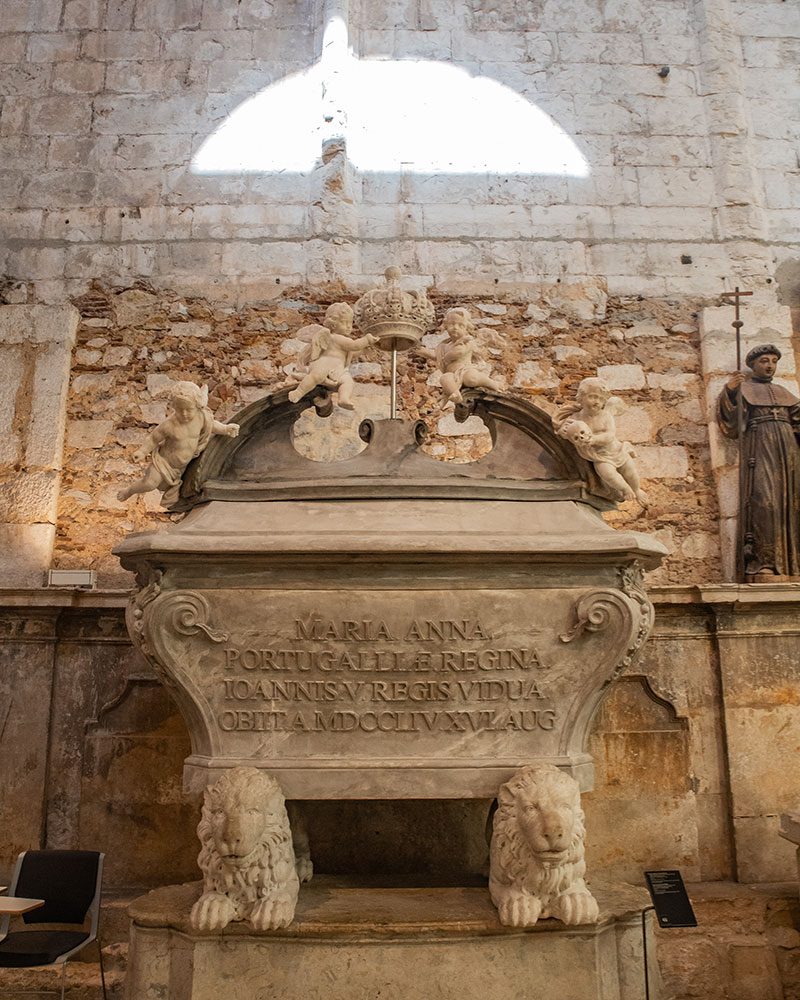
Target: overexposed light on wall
[
  {"x": 431, "y": 117},
  {"x": 277, "y": 129}
]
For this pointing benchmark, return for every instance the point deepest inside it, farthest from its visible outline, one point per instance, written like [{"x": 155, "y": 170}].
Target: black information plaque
[{"x": 670, "y": 900}]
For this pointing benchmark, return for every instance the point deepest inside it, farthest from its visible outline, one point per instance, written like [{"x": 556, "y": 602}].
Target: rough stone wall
[
  {"x": 689, "y": 189},
  {"x": 691, "y": 174},
  {"x": 35, "y": 357},
  {"x": 131, "y": 342}
]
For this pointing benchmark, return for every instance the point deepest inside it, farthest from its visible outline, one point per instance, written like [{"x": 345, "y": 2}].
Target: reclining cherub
[
  {"x": 176, "y": 441},
  {"x": 326, "y": 359},
  {"x": 588, "y": 423},
  {"x": 460, "y": 354}
]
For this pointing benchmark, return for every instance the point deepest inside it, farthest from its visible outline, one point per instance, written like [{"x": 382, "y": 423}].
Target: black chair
[{"x": 69, "y": 883}]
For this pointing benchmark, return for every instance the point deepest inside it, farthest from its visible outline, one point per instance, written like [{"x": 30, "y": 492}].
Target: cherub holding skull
[{"x": 589, "y": 425}]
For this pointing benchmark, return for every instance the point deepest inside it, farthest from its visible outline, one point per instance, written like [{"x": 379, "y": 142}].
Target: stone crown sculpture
[
  {"x": 536, "y": 857},
  {"x": 398, "y": 318},
  {"x": 247, "y": 859}
]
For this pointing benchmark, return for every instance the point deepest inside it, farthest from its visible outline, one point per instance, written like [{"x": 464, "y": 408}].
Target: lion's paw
[
  {"x": 212, "y": 912},
  {"x": 304, "y": 868},
  {"x": 271, "y": 914},
  {"x": 579, "y": 907},
  {"x": 519, "y": 911}
]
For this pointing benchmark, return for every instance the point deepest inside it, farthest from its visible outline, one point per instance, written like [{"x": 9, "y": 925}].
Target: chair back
[{"x": 68, "y": 881}]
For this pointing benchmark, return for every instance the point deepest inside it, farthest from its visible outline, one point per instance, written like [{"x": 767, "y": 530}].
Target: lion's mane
[
  {"x": 271, "y": 865},
  {"x": 514, "y": 862}
]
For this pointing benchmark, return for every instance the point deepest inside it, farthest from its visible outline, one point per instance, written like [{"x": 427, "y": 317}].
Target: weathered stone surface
[
  {"x": 88, "y": 433},
  {"x": 12, "y": 359},
  {"x": 670, "y": 462},
  {"x": 536, "y": 375},
  {"x": 449, "y": 936},
  {"x": 29, "y": 498},
  {"x": 26, "y": 678},
  {"x": 35, "y": 348},
  {"x": 536, "y": 857},
  {"x": 645, "y": 329},
  {"x": 48, "y": 404},
  {"x": 622, "y": 376},
  {"x": 26, "y": 553},
  {"x": 448, "y": 426},
  {"x": 38, "y": 324}
]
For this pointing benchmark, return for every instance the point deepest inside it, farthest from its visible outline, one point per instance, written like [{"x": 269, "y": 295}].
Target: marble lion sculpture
[
  {"x": 246, "y": 857},
  {"x": 536, "y": 856}
]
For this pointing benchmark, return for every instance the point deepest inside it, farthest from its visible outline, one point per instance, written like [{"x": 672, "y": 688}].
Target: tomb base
[{"x": 353, "y": 942}]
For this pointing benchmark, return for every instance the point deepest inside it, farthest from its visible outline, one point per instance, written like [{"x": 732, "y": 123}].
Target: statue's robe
[{"x": 771, "y": 475}]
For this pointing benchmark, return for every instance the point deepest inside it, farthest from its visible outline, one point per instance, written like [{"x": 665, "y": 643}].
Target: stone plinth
[{"x": 349, "y": 942}]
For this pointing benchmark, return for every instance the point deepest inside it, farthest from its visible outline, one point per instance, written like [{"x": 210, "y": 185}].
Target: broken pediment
[{"x": 527, "y": 461}]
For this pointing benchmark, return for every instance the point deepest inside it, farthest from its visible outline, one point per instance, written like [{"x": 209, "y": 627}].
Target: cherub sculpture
[
  {"x": 176, "y": 441},
  {"x": 460, "y": 355},
  {"x": 588, "y": 424},
  {"x": 326, "y": 359}
]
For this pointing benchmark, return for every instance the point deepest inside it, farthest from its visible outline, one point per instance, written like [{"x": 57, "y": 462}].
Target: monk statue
[{"x": 769, "y": 504}]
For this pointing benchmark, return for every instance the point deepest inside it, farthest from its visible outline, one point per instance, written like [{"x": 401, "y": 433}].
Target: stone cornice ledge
[
  {"x": 727, "y": 593},
  {"x": 709, "y": 594},
  {"x": 63, "y": 597}
]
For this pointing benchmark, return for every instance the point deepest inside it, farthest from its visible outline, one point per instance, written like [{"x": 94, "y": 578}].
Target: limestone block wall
[
  {"x": 689, "y": 183},
  {"x": 35, "y": 359}
]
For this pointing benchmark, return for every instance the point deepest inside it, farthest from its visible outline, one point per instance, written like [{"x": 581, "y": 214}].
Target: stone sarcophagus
[{"x": 389, "y": 626}]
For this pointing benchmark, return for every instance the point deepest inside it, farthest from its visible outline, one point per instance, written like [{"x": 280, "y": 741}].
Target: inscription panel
[{"x": 389, "y": 679}]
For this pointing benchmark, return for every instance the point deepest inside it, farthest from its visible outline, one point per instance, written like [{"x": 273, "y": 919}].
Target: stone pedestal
[{"x": 353, "y": 943}]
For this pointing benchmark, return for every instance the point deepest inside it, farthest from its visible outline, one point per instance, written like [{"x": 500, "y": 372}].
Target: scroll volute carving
[
  {"x": 168, "y": 628},
  {"x": 610, "y": 626}
]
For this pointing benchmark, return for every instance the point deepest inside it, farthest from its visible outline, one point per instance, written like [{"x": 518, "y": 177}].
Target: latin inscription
[{"x": 418, "y": 676}]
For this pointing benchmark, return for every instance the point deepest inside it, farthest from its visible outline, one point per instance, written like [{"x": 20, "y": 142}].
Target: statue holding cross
[{"x": 765, "y": 418}]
